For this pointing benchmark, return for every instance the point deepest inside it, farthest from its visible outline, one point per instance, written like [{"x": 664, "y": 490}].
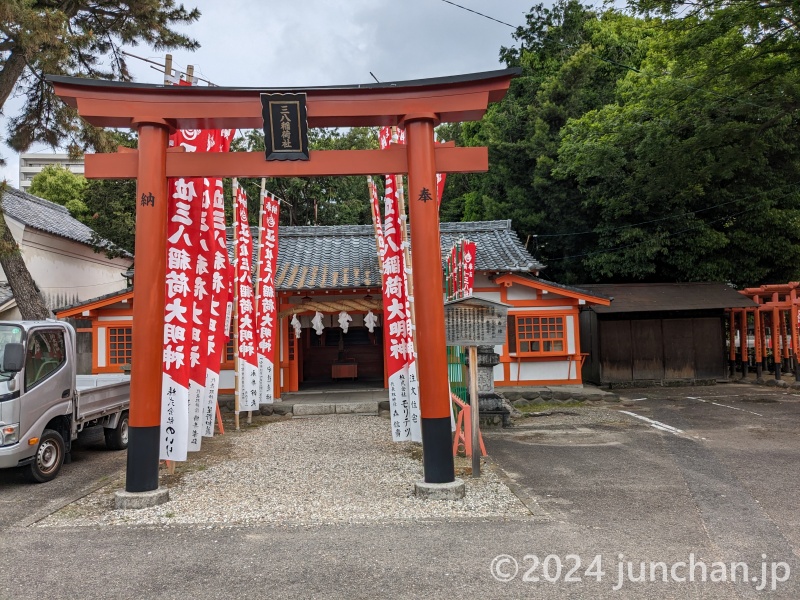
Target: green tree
[
  {"x": 650, "y": 147},
  {"x": 80, "y": 38},
  {"x": 111, "y": 208},
  {"x": 69, "y": 37},
  {"x": 315, "y": 200},
  {"x": 693, "y": 170},
  {"x": 111, "y": 213},
  {"x": 570, "y": 57},
  {"x": 62, "y": 186}
]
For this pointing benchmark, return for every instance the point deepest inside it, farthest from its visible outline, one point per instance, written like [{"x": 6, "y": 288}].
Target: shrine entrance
[
  {"x": 154, "y": 110},
  {"x": 335, "y": 357}
]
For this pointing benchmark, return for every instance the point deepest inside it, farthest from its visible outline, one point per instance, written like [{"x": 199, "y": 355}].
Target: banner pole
[
  {"x": 258, "y": 264},
  {"x": 401, "y": 206},
  {"x": 474, "y": 411},
  {"x": 235, "y": 308},
  {"x": 375, "y": 211},
  {"x": 373, "y": 194},
  {"x": 168, "y": 70},
  {"x": 169, "y": 464}
]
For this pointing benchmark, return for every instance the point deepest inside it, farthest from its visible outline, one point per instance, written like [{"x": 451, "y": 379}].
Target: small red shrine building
[{"x": 334, "y": 268}]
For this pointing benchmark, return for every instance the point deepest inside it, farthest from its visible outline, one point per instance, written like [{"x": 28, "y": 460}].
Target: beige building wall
[
  {"x": 66, "y": 271},
  {"x": 32, "y": 163}
]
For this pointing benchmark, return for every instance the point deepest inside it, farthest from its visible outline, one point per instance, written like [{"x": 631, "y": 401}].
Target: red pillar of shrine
[
  {"x": 795, "y": 354},
  {"x": 148, "y": 308},
  {"x": 437, "y": 453},
  {"x": 776, "y": 339},
  {"x": 732, "y": 342},
  {"x": 758, "y": 317},
  {"x": 743, "y": 350}
]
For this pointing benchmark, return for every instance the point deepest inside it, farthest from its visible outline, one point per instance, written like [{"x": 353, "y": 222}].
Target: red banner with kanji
[
  {"x": 188, "y": 300},
  {"x": 397, "y": 329},
  {"x": 468, "y": 250},
  {"x": 215, "y": 339},
  {"x": 211, "y": 141},
  {"x": 266, "y": 305},
  {"x": 460, "y": 270},
  {"x": 375, "y": 207},
  {"x": 183, "y": 232},
  {"x": 245, "y": 305}
]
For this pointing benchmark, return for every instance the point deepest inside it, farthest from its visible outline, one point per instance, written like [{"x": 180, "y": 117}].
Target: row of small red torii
[
  {"x": 204, "y": 291},
  {"x": 778, "y": 305}
]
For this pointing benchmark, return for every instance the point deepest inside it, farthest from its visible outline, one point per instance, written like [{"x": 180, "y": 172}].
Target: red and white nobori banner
[
  {"x": 375, "y": 206},
  {"x": 397, "y": 135},
  {"x": 244, "y": 304},
  {"x": 215, "y": 340},
  {"x": 213, "y": 141},
  {"x": 397, "y": 327},
  {"x": 468, "y": 253},
  {"x": 187, "y": 301},
  {"x": 183, "y": 233},
  {"x": 400, "y": 357},
  {"x": 266, "y": 300},
  {"x": 460, "y": 275}
]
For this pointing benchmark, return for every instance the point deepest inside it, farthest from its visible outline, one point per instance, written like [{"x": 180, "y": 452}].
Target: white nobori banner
[
  {"x": 266, "y": 299},
  {"x": 413, "y": 399},
  {"x": 248, "y": 386},
  {"x": 399, "y": 405},
  {"x": 210, "y": 403},
  {"x": 197, "y": 398},
  {"x": 266, "y": 381},
  {"x": 174, "y": 420}
]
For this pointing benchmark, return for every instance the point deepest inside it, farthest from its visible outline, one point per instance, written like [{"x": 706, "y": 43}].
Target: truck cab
[{"x": 40, "y": 407}]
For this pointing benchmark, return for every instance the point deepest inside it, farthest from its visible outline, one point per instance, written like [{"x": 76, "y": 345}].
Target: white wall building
[
  {"x": 32, "y": 163},
  {"x": 58, "y": 253}
]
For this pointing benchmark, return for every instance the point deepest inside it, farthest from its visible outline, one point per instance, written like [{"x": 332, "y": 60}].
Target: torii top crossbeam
[
  {"x": 445, "y": 99},
  {"x": 154, "y": 110}
]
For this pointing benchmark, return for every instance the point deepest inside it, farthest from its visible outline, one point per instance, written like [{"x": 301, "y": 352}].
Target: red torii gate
[
  {"x": 778, "y": 305},
  {"x": 154, "y": 110}
]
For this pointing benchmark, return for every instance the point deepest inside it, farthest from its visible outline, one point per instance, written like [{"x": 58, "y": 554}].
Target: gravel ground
[{"x": 321, "y": 470}]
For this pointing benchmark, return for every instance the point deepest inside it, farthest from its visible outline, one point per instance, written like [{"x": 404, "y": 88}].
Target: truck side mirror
[{"x": 13, "y": 358}]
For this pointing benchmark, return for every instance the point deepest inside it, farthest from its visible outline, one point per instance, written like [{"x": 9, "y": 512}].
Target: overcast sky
[{"x": 272, "y": 43}]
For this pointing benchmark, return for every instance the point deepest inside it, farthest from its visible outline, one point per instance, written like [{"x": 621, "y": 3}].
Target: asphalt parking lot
[
  {"x": 678, "y": 487},
  {"x": 712, "y": 470},
  {"x": 23, "y": 503}
]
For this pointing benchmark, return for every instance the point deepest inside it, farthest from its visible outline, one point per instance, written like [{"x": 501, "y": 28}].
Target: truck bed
[{"x": 104, "y": 397}]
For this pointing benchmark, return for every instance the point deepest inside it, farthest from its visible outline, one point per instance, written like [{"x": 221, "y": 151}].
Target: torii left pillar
[{"x": 141, "y": 481}]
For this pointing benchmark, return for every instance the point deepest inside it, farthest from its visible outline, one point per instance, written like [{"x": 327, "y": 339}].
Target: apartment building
[{"x": 32, "y": 163}]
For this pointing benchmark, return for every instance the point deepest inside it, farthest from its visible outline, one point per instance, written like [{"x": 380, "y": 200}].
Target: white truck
[{"x": 44, "y": 405}]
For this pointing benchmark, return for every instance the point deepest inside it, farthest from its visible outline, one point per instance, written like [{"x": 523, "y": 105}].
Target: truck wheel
[
  {"x": 117, "y": 438},
  {"x": 48, "y": 458}
]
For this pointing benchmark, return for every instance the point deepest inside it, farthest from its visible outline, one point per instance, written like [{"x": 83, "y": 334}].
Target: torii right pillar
[{"x": 437, "y": 454}]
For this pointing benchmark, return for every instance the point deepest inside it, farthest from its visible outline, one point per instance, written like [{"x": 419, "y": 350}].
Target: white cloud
[{"x": 305, "y": 43}]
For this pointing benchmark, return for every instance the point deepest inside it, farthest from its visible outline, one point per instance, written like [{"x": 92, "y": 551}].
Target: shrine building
[{"x": 334, "y": 268}]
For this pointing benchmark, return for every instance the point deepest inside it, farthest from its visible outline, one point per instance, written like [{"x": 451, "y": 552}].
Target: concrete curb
[
  {"x": 137, "y": 500},
  {"x": 537, "y": 512},
  {"x": 455, "y": 490},
  {"x": 310, "y": 409},
  {"x": 58, "y": 505}
]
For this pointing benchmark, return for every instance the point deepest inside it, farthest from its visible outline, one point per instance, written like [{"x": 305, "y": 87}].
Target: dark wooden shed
[{"x": 657, "y": 332}]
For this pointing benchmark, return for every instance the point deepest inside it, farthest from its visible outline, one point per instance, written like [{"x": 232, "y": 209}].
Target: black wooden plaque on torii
[{"x": 285, "y": 126}]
